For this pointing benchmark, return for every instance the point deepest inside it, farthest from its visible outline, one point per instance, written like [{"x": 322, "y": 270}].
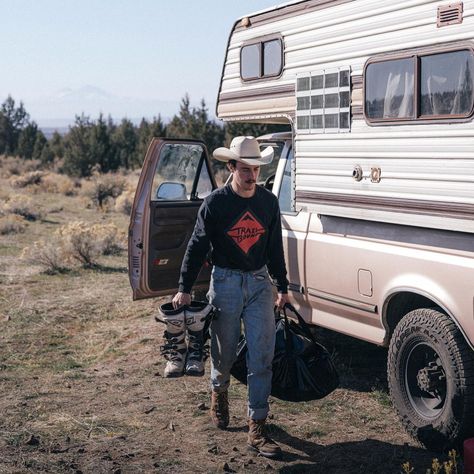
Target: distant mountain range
[{"x": 59, "y": 110}]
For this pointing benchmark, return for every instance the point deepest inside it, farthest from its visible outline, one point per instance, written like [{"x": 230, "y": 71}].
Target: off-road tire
[{"x": 451, "y": 420}]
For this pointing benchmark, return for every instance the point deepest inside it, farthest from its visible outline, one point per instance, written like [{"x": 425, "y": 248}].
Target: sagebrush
[
  {"x": 21, "y": 205},
  {"x": 73, "y": 243}
]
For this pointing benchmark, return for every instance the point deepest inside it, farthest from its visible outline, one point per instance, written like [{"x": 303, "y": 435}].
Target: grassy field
[{"x": 82, "y": 391}]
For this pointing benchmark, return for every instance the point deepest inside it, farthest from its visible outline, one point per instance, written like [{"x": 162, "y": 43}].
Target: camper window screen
[
  {"x": 261, "y": 59},
  {"x": 323, "y": 101}
]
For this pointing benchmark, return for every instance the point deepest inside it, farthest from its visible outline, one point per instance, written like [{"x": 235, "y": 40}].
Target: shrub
[
  {"x": 28, "y": 179},
  {"x": 108, "y": 237},
  {"x": 79, "y": 243},
  {"x": 21, "y": 206},
  {"x": 49, "y": 255},
  {"x": 58, "y": 183},
  {"x": 14, "y": 166},
  {"x": 103, "y": 187},
  {"x": 124, "y": 202},
  {"x": 11, "y": 224},
  {"x": 84, "y": 243}
]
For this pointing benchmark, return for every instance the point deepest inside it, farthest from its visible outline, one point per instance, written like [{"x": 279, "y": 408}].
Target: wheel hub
[
  {"x": 425, "y": 380},
  {"x": 430, "y": 378}
]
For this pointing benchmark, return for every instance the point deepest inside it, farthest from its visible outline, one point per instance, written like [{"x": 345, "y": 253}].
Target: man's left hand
[{"x": 282, "y": 300}]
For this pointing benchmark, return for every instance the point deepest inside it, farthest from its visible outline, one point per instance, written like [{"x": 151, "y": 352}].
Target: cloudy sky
[{"x": 122, "y": 57}]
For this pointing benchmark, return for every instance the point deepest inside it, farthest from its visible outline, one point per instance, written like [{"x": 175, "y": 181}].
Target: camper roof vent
[{"x": 450, "y": 14}]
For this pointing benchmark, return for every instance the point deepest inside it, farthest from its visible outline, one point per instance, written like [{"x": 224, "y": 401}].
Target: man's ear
[{"x": 230, "y": 167}]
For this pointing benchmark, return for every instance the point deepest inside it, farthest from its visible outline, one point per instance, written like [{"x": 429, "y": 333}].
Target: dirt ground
[{"x": 82, "y": 388}]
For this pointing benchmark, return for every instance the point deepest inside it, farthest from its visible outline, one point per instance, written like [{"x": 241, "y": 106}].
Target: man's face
[{"x": 245, "y": 176}]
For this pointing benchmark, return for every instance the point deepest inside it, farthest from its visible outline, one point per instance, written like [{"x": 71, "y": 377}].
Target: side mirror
[{"x": 170, "y": 191}]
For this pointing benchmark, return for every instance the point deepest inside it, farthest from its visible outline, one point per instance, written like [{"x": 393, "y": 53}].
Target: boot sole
[
  {"x": 256, "y": 451},
  {"x": 193, "y": 373},
  {"x": 173, "y": 375}
]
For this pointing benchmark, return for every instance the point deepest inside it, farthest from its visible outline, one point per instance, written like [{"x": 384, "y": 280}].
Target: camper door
[{"x": 175, "y": 178}]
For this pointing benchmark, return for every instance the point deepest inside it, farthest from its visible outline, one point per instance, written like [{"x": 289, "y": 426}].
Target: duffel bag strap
[{"x": 303, "y": 324}]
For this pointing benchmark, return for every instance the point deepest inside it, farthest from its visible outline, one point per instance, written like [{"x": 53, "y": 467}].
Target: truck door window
[
  {"x": 176, "y": 172},
  {"x": 285, "y": 195}
]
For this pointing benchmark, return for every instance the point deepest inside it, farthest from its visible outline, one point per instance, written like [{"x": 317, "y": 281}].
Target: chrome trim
[{"x": 370, "y": 308}]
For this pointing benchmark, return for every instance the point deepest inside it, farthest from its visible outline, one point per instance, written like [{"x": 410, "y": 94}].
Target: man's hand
[
  {"x": 181, "y": 299},
  {"x": 281, "y": 300}
]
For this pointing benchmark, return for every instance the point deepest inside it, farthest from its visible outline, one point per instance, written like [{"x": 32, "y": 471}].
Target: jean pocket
[
  {"x": 219, "y": 274},
  {"x": 260, "y": 276}
]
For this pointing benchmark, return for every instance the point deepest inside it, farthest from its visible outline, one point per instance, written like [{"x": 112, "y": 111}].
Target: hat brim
[{"x": 224, "y": 154}]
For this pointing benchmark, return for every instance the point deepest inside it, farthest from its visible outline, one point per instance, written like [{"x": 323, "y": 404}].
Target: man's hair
[{"x": 232, "y": 163}]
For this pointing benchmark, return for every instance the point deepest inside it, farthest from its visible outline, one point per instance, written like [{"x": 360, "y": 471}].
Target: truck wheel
[{"x": 431, "y": 379}]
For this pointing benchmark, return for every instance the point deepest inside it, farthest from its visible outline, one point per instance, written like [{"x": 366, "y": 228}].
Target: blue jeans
[{"x": 248, "y": 296}]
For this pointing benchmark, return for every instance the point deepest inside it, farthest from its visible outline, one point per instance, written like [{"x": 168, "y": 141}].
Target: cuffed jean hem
[
  {"x": 258, "y": 413},
  {"x": 220, "y": 388}
]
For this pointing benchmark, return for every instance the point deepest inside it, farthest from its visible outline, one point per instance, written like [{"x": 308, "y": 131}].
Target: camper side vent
[
  {"x": 323, "y": 101},
  {"x": 450, "y": 14}
]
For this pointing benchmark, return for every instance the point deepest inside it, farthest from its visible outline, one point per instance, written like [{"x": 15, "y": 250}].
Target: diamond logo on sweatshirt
[{"x": 246, "y": 232}]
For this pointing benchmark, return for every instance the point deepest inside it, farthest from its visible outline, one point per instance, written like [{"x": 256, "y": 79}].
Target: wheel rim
[{"x": 425, "y": 380}]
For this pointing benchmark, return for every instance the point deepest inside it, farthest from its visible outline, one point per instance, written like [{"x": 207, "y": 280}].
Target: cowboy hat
[{"x": 245, "y": 150}]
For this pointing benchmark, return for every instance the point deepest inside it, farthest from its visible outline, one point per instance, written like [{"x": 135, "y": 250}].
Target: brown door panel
[{"x": 171, "y": 228}]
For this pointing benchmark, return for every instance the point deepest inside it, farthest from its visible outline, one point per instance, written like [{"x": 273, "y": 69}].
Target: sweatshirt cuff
[{"x": 184, "y": 289}]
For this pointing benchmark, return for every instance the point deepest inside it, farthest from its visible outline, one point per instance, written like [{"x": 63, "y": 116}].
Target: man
[{"x": 241, "y": 224}]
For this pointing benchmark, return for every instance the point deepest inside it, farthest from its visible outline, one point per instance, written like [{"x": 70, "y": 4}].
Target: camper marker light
[{"x": 245, "y": 22}]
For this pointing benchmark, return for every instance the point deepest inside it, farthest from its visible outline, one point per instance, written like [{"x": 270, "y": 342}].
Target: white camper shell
[{"x": 375, "y": 182}]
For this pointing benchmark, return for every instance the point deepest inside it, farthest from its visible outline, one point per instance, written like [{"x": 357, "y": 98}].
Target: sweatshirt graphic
[{"x": 246, "y": 232}]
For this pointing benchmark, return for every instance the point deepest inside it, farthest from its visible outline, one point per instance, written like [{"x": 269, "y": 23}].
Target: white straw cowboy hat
[{"x": 245, "y": 150}]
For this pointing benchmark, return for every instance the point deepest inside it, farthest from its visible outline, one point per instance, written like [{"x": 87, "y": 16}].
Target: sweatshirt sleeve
[
  {"x": 276, "y": 257},
  {"x": 197, "y": 250}
]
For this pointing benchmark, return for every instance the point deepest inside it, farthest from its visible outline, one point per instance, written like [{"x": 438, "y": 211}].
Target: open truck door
[{"x": 175, "y": 178}]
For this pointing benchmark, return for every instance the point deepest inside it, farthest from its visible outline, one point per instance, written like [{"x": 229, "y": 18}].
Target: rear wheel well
[{"x": 401, "y": 304}]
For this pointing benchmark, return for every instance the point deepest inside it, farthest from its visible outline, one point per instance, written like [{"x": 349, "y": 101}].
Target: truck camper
[{"x": 375, "y": 180}]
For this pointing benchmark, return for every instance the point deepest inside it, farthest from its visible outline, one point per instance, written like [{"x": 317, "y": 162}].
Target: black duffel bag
[{"x": 302, "y": 368}]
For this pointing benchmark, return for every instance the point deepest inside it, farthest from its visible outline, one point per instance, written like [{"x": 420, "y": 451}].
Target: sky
[{"x": 128, "y": 58}]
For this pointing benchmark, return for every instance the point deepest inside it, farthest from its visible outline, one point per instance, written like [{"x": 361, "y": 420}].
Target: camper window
[
  {"x": 389, "y": 91},
  {"x": 444, "y": 87},
  {"x": 447, "y": 83},
  {"x": 261, "y": 59}
]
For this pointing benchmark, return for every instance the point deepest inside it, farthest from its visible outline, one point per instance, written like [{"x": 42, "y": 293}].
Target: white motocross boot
[
  {"x": 174, "y": 349},
  {"x": 198, "y": 316}
]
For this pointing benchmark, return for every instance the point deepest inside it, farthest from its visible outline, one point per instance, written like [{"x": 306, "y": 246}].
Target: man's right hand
[{"x": 181, "y": 299}]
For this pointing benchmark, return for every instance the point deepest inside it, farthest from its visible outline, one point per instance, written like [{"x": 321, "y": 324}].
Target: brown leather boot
[
  {"x": 220, "y": 409},
  {"x": 260, "y": 442}
]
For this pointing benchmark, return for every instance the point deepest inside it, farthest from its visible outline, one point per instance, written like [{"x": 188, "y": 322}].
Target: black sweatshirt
[{"x": 243, "y": 233}]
